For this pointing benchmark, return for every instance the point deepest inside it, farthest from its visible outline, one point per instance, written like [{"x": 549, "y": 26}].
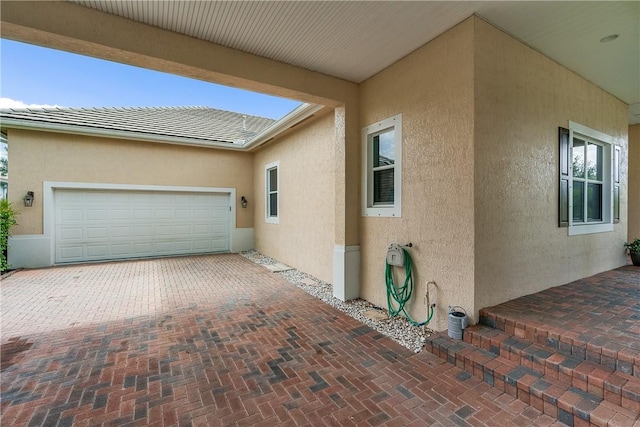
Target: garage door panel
[
  {"x": 166, "y": 214},
  {"x": 218, "y": 245},
  {"x": 143, "y": 231},
  {"x": 183, "y": 230},
  {"x": 71, "y": 253},
  {"x": 70, "y": 197},
  {"x": 120, "y": 248},
  {"x": 202, "y": 213},
  {"x": 94, "y": 197},
  {"x": 202, "y": 245},
  {"x": 141, "y": 248},
  {"x": 97, "y": 214},
  {"x": 105, "y": 224},
  {"x": 163, "y": 247},
  {"x": 143, "y": 214},
  {"x": 120, "y": 232},
  {"x": 119, "y": 214},
  {"x": 183, "y": 214},
  {"x": 165, "y": 230},
  {"x": 202, "y": 229},
  {"x": 138, "y": 198},
  {"x": 183, "y": 199},
  {"x": 71, "y": 215},
  {"x": 206, "y": 201},
  {"x": 97, "y": 232},
  {"x": 70, "y": 233},
  {"x": 184, "y": 245},
  {"x": 220, "y": 214},
  {"x": 97, "y": 251}
]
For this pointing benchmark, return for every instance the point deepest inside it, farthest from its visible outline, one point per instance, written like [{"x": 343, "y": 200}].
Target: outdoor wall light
[
  {"x": 28, "y": 199},
  {"x": 243, "y": 201}
]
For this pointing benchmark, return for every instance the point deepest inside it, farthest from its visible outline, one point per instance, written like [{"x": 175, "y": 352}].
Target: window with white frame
[
  {"x": 272, "y": 195},
  {"x": 382, "y": 168},
  {"x": 588, "y": 163}
]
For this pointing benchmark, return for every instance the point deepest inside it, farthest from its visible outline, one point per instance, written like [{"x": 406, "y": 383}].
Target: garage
[{"x": 99, "y": 225}]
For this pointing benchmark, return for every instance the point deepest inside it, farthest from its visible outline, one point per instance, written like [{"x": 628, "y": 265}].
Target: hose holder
[
  {"x": 398, "y": 256},
  {"x": 395, "y": 254}
]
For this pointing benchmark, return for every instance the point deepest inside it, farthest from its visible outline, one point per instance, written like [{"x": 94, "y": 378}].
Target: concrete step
[{"x": 553, "y": 395}]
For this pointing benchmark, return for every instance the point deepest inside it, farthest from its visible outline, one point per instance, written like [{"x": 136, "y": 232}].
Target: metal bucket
[{"x": 457, "y": 322}]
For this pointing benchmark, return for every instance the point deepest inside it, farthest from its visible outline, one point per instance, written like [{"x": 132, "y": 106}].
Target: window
[
  {"x": 382, "y": 168},
  {"x": 589, "y": 181},
  {"x": 272, "y": 199}
]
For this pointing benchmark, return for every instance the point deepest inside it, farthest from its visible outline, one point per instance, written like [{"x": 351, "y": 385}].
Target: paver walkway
[
  {"x": 215, "y": 340},
  {"x": 602, "y": 311}
]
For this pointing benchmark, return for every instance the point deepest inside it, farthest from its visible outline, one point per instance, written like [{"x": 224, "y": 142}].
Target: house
[
  {"x": 86, "y": 161},
  {"x": 511, "y": 172}
]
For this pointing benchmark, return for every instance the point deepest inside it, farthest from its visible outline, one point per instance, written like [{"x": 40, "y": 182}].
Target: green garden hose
[{"x": 402, "y": 294}]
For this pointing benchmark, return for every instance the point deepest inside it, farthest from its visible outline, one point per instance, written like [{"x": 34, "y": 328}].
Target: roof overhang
[{"x": 300, "y": 114}]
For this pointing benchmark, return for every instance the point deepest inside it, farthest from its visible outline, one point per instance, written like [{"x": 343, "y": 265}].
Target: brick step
[
  {"x": 553, "y": 396},
  {"x": 620, "y": 356},
  {"x": 613, "y": 386}
]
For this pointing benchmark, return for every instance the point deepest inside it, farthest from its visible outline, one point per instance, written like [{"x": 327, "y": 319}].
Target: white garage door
[{"x": 102, "y": 225}]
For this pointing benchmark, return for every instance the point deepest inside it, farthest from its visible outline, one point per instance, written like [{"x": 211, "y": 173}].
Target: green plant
[
  {"x": 633, "y": 246},
  {"x": 7, "y": 220}
]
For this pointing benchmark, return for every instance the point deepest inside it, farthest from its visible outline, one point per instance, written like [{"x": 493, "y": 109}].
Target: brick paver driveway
[{"x": 215, "y": 340}]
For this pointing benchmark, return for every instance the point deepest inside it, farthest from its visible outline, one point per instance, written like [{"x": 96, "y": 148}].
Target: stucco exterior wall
[
  {"x": 633, "y": 231},
  {"x": 522, "y": 97},
  {"x": 44, "y": 156},
  {"x": 433, "y": 90},
  {"x": 304, "y": 236}
]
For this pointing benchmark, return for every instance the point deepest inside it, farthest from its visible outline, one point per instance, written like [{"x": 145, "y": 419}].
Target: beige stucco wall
[
  {"x": 521, "y": 99},
  {"x": 433, "y": 89},
  {"x": 44, "y": 156},
  {"x": 634, "y": 183},
  {"x": 304, "y": 236}
]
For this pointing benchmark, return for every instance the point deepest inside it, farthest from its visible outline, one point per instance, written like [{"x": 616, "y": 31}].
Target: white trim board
[{"x": 346, "y": 272}]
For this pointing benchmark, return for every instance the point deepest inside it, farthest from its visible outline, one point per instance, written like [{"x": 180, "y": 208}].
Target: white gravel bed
[{"x": 397, "y": 328}]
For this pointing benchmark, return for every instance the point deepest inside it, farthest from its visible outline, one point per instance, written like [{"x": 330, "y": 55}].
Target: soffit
[{"x": 354, "y": 40}]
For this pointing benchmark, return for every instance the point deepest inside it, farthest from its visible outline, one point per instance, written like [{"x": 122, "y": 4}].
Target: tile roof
[{"x": 202, "y": 125}]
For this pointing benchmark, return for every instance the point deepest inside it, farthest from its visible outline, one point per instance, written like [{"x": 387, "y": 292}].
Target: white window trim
[
  {"x": 607, "y": 225},
  {"x": 267, "y": 218},
  {"x": 368, "y": 209}
]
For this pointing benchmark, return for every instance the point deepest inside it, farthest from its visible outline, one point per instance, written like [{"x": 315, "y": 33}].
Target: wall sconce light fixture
[
  {"x": 243, "y": 201},
  {"x": 28, "y": 199}
]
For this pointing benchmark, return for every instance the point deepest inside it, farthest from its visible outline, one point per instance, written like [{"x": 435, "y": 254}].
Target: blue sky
[{"x": 35, "y": 76}]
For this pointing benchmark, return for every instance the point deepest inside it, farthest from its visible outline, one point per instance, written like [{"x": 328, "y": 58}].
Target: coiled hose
[{"x": 402, "y": 294}]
